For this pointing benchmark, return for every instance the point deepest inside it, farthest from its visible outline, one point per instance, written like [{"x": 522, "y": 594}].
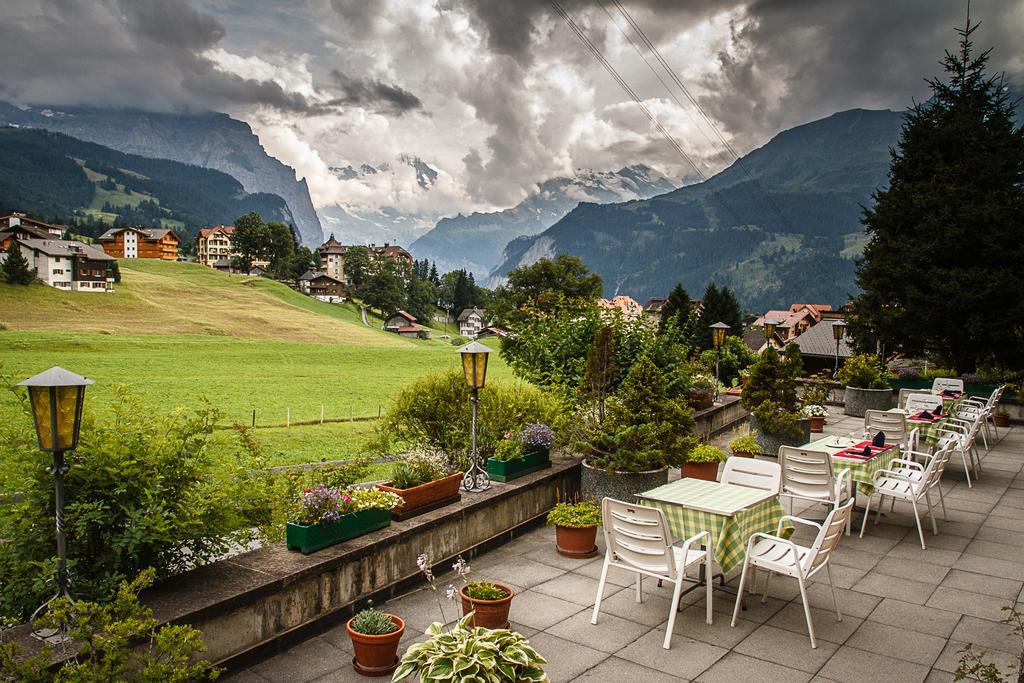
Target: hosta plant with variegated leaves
[{"x": 472, "y": 654}]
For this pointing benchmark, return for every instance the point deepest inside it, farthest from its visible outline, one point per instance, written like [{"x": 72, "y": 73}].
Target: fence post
[
  {"x": 378, "y": 411},
  {"x": 254, "y": 418},
  {"x": 350, "y": 419},
  {"x": 321, "y": 413}
]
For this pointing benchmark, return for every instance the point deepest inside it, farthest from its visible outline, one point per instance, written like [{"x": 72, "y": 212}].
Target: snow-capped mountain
[{"x": 475, "y": 242}]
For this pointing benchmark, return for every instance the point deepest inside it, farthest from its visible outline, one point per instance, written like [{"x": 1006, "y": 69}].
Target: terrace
[{"x": 907, "y": 611}]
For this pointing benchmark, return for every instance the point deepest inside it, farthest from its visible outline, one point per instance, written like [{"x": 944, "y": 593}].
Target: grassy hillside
[{"x": 179, "y": 334}]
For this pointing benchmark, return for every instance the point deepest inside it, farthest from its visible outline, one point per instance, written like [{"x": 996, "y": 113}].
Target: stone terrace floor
[{"x": 906, "y": 611}]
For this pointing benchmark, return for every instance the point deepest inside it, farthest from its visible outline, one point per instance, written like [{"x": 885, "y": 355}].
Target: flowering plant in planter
[
  {"x": 575, "y": 528},
  {"x": 702, "y": 462},
  {"x": 324, "y": 504},
  {"x": 814, "y": 410},
  {"x": 537, "y": 436},
  {"x": 420, "y": 467}
]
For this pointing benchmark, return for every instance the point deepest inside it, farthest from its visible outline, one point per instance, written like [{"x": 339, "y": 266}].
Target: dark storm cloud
[{"x": 373, "y": 94}]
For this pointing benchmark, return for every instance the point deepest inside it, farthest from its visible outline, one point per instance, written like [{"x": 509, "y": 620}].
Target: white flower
[{"x": 451, "y": 592}]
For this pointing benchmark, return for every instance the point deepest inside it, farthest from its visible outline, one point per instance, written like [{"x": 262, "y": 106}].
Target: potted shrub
[
  {"x": 702, "y": 391},
  {"x": 866, "y": 387},
  {"x": 703, "y": 461},
  {"x": 488, "y": 603},
  {"x": 771, "y": 398},
  {"x": 744, "y": 446},
  {"x": 330, "y": 515},
  {"x": 575, "y": 528},
  {"x": 1001, "y": 418},
  {"x": 520, "y": 453},
  {"x": 375, "y": 636},
  {"x": 817, "y": 414},
  {"x": 645, "y": 431},
  {"x": 425, "y": 480}
]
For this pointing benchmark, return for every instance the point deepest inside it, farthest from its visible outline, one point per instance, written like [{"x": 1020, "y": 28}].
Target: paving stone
[
  {"x": 950, "y": 657},
  {"x": 985, "y": 565},
  {"x": 936, "y": 622},
  {"x": 911, "y": 646},
  {"x": 786, "y": 647},
  {"x": 986, "y": 634},
  {"x": 575, "y": 588},
  {"x": 884, "y": 586},
  {"x": 691, "y": 622},
  {"x": 653, "y": 611},
  {"x": 995, "y": 550},
  {"x": 850, "y": 665},
  {"x": 550, "y": 556},
  {"x": 911, "y": 569},
  {"x": 565, "y": 660},
  {"x": 736, "y": 667},
  {"x": 932, "y": 555},
  {"x": 521, "y": 572},
  {"x": 851, "y": 557},
  {"x": 615, "y": 669},
  {"x": 969, "y": 504},
  {"x": 936, "y": 676},
  {"x": 306, "y": 661},
  {"x": 687, "y": 658},
  {"x": 983, "y": 583},
  {"x": 616, "y": 576},
  {"x": 540, "y": 611},
  {"x": 975, "y": 604},
  {"x": 852, "y": 602},
  {"x": 792, "y": 618},
  {"x": 843, "y": 577},
  {"x": 610, "y": 634},
  {"x": 756, "y": 611}
]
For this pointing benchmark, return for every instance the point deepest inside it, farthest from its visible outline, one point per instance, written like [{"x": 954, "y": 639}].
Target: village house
[
  {"x": 471, "y": 322},
  {"x": 791, "y": 323},
  {"x": 68, "y": 265},
  {"x": 654, "y": 307},
  {"x": 215, "y": 248},
  {"x": 332, "y": 257},
  {"x": 325, "y": 288},
  {"x": 42, "y": 230},
  {"x": 404, "y": 324},
  {"x": 158, "y": 243},
  {"x": 627, "y": 305}
]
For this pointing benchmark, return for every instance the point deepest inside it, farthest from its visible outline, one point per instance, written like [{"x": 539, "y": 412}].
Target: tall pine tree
[
  {"x": 16, "y": 267},
  {"x": 942, "y": 271},
  {"x": 678, "y": 312},
  {"x": 719, "y": 305}
]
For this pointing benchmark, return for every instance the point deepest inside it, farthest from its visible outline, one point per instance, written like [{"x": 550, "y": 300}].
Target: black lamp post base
[
  {"x": 476, "y": 479},
  {"x": 54, "y": 636}
]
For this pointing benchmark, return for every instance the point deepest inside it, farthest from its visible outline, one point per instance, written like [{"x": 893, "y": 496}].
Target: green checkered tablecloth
[
  {"x": 688, "y": 505},
  {"x": 861, "y": 471}
]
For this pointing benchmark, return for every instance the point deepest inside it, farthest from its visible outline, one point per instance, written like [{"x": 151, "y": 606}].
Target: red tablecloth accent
[{"x": 857, "y": 452}]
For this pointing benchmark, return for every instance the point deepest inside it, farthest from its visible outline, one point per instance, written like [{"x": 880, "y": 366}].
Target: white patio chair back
[
  {"x": 829, "y": 536},
  {"x": 947, "y": 384},
  {"x": 915, "y": 403},
  {"x": 806, "y": 473},
  {"x": 755, "y": 474},
  {"x": 901, "y": 396},
  {"x": 638, "y": 537},
  {"x": 893, "y": 424}
]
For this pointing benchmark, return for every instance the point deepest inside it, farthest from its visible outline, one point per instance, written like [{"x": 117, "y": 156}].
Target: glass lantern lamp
[{"x": 474, "y": 370}]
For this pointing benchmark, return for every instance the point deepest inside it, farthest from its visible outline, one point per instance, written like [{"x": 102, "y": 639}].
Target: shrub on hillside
[{"x": 434, "y": 412}]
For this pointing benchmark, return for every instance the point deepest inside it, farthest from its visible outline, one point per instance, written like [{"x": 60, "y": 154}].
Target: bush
[
  {"x": 705, "y": 452},
  {"x": 771, "y": 393},
  {"x": 575, "y": 515},
  {"x": 373, "y": 622},
  {"x": 735, "y": 356},
  {"x": 863, "y": 371},
  {"x": 434, "y": 412},
  {"x": 645, "y": 429},
  {"x": 144, "y": 489},
  {"x": 744, "y": 444}
]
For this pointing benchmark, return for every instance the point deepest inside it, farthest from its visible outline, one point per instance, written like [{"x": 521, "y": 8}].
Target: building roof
[
  {"x": 629, "y": 306},
  {"x": 325, "y": 276},
  {"x": 150, "y": 234},
  {"x": 66, "y": 248},
  {"x": 310, "y": 275},
  {"x": 655, "y": 305},
  {"x": 409, "y": 328},
  {"x": 23, "y": 219},
  {"x": 408, "y": 316},
  {"x": 206, "y": 232},
  {"x": 222, "y": 263},
  {"x": 40, "y": 233},
  {"x": 818, "y": 341},
  {"x": 795, "y": 314},
  {"x": 466, "y": 312}
]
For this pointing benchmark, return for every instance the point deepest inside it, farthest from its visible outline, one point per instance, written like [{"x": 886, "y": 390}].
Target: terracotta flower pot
[
  {"x": 1001, "y": 420},
  {"x": 576, "y": 542},
  {"x": 488, "y": 613},
  {"x": 376, "y": 655},
  {"x": 743, "y": 454},
  {"x": 817, "y": 424},
  {"x": 708, "y": 471},
  {"x": 425, "y": 497}
]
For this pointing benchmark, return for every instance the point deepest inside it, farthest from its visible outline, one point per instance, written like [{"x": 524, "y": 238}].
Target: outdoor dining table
[
  {"x": 862, "y": 472},
  {"x": 927, "y": 430},
  {"x": 729, "y": 513}
]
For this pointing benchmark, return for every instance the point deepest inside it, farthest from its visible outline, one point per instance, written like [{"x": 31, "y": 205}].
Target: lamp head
[
  {"x": 57, "y": 396},
  {"x": 838, "y": 329},
  {"x": 718, "y": 332},
  {"x": 769, "y": 328},
  {"x": 474, "y": 364}
]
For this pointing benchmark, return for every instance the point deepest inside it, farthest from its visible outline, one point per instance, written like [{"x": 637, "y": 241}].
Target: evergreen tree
[
  {"x": 434, "y": 278},
  {"x": 678, "y": 312},
  {"x": 463, "y": 296},
  {"x": 720, "y": 305},
  {"x": 16, "y": 267},
  {"x": 941, "y": 272},
  {"x": 601, "y": 373}
]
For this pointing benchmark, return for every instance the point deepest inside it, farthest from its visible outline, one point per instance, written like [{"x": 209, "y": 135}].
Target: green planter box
[
  {"x": 507, "y": 470},
  {"x": 926, "y": 386},
  {"x": 308, "y": 539}
]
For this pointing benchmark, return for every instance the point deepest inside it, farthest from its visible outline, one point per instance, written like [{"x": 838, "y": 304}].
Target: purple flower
[
  {"x": 460, "y": 567},
  {"x": 538, "y": 436},
  {"x": 423, "y": 562}
]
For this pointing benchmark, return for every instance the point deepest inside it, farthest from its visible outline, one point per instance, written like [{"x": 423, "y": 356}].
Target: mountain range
[
  {"x": 780, "y": 224},
  {"x": 208, "y": 140},
  {"x": 476, "y": 242}
]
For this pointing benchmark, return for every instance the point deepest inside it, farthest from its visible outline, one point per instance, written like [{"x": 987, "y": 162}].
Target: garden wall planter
[
  {"x": 701, "y": 399},
  {"x": 425, "y": 497},
  {"x": 308, "y": 539},
  {"x": 376, "y": 655},
  {"x": 817, "y": 425},
  {"x": 598, "y": 484},
  {"x": 576, "y": 542},
  {"x": 507, "y": 470},
  {"x": 488, "y": 613},
  {"x": 708, "y": 471},
  {"x": 859, "y": 401},
  {"x": 769, "y": 443}
]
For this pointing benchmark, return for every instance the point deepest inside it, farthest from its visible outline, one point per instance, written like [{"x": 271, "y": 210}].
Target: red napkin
[
  {"x": 949, "y": 393},
  {"x": 920, "y": 417},
  {"x": 857, "y": 452}
]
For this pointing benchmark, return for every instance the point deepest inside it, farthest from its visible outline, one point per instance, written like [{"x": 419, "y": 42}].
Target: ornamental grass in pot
[
  {"x": 575, "y": 528},
  {"x": 425, "y": 480},
  {"x": 744, "y": 446},
  {"x": 375, "y": 636},
  {"x": 702, "y": 462}
]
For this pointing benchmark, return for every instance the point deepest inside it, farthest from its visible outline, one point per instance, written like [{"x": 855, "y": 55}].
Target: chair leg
[
  {"x": 807, "y": 611},
  {"x": 832, "y": 585},
  {"x": 942, "y": 499},
  {"x": 739, "y": 591},
  {"x": 639, "y": 587},
  {"x": 867, "y": 512},
  {"x": 931, "y": 513},
  {"x": 967, "y": 469},
  {"x": 708, "y": 581},
  {"x": 917, "y": 518},
  {"x": 767, "y": 579},
  {"x": 600, "y": 591},
  {"x": 676, "y": 591}
]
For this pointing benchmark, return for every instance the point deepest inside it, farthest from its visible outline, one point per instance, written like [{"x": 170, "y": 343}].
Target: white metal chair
[
  {"x": 986, "y": 408},
  {"x": 900, "y": 485},
  {"x": 808, "y": 475},
  {"x": 637, "y": 539},
  {"x": 915, "y": 403},
  {"x": 893, "y": 424},
  {"x": 915, "y": 470},
  {"x": 962, "y": 434},
  {"x": 940, "y": 384},
  {"x": 782, "y": 556},
  {"x": 755, "y": 474}
]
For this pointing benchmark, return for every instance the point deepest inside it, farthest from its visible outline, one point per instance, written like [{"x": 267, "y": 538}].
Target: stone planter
[
  {"x": 598, "y": 484},
  {"x": 425, "y": 497},
  {"x": 708, "y": 471},
  {"x": 507, "y": 470},
  {"x": 376, "y": 655},
  {"x": 308, "y": 539},
  {"x": 859, "y": 401},
  {"x": 488, "y": 613},
  {"x": 576, "y": 542},
  {"x": 701, "y": 399},
  {"x": 769, "y": 443}
]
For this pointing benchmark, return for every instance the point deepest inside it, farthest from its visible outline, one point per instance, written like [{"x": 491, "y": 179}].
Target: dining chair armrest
[
  {"x": 916, "y": 454},
  {"x": 693, "y": 539},
  {"x": 910, "y": 463},
  {"x": 799, "y": 520},
  {"x": 892, "y": 474},
  {"x": 842, "y": 481}
]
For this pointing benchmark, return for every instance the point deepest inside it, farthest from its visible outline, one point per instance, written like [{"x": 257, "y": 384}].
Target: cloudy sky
[{"x": 497, "y": 95}]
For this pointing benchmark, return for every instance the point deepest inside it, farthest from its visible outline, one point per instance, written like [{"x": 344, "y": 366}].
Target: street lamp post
[
  {"x": 838, "y": 332},
  {"x": 718, "y": 332},
  {"x": 56, "y": 398},
  {"x": 474, "y": 368},
  {"x": 769, "y": 329}
]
